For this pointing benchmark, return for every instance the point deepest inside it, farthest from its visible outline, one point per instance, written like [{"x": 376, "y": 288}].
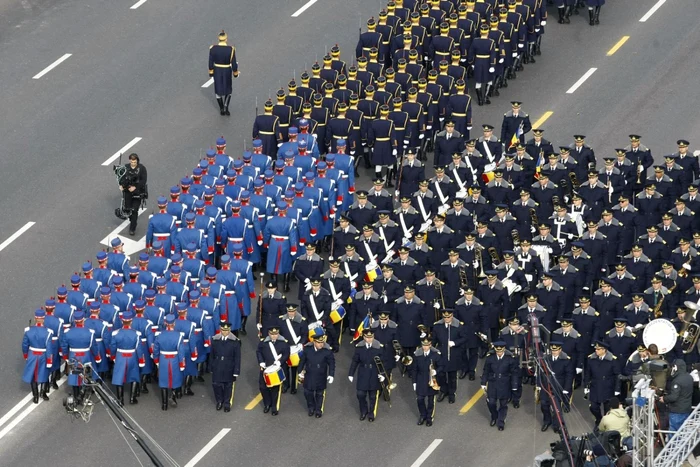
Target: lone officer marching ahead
[
  {"x": 222, "y": 62},
  {"x": 499, "y": 380},
  {"x": 316, "y": 371},
  {"x": 225, "y": 366}
]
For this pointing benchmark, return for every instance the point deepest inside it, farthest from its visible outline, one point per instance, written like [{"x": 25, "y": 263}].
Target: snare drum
[
  {"x": 295, "y": 353},
  {"x": 337, "y": 315},
  {"x": 274, "y": 376},
  {"x": 315, "y": 332}
]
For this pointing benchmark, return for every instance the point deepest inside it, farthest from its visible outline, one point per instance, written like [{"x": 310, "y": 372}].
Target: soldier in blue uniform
[
  {"x": 223, "y": 65},
  {"x": 600, "y": 380},
  {"x": 368, "y": 378},
  {"x": 316, "y": 370},
  {"x": 37, "y": 347},
  {"x": 127, "y": 354},
  {"x": 499, "y": 381},
  {"x": 170, "y": 350},
  {"x": 272, "y": 351},
  {"x": 427, "y": 364},
  {"x": 103, "y": 333},
  {"x": 225, "y": 358},
  {"x": 78, "y": 343},
  {"x": 280, "y": 237}
]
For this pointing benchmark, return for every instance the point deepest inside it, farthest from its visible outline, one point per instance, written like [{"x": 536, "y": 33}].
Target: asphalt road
[{"x": 138, "y": 73}]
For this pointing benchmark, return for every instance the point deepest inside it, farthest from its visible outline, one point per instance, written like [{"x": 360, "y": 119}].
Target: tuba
[
  {"x": 433, "y": 377},
  {"x": 495, "y": 260},
  {"x": 690, "y": 332}
]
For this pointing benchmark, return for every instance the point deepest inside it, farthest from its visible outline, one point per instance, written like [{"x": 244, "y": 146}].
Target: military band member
[
  {"x": 449, "y": 335},
  {"x": 294, "y": 328},
  {"x": 273, "y": 352},
  {"x": 556, "y": 390},
  {"x": 494, "y": 298},
  {"x": 225, "y": 358},
  {"x": 273, "y": 305},
  {"x": 601, "y": 380},
  {"x": 499, "y": 381},
  {"x": 410, "y": 312},
  {"x": 223, "y": 65},
  {"x": 368, "y": 378},
  {"x": 316, "y": 370},
  {"x": 385, "y": 332},
  {"x": 427, "y": 364},
  {"x": 316, "y": 308}
]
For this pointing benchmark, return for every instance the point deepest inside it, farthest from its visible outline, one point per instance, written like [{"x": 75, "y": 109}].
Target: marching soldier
[
  {"x": 556, "y": 390},
  {"x": 601, "y": 380},
  {"x": 78, "y": 342},
  {"x": 385, "y": 332},
  {"x": 515, "y": 123},
  {"x": 368, "y": 378},
  {"x": 272, "y": 355},
  {"x": 223, "y": 65},
  {"x": 494, "y": 298},
  {"x": 127, "y": 355},
  {"x": 499, "y": 381},
  {"x": 471, "y": 313},
  {"x": 449, "y": 337},
  {"x": 425, "y": 368},
  {"x": 225, "y": 366},
  {"x": 37, "y": 347},
  {"x": 294, "y": 328},
  {"x": 266, "y": 128},
  {"x": 170, "y": 350},
  {"x": 316, "y": 371},
  {"x": 316, "y": 308},
  {"x": 272, "y": 306}
]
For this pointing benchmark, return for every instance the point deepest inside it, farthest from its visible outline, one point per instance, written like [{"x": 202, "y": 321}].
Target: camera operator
[
  {"x": 679, "y": 395},
  {"x": 133, "y": 187},
  {"x": 597, "y": 458}
]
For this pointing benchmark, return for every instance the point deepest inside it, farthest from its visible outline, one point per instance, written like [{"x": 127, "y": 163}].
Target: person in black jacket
[
  {"x": 133, "y": 186},
  {"x": 225, "y": 366},
  {"x": 679, "y": 395},
  {"x": 316, "y": 369},
  {"x": 447, "y": 142}
]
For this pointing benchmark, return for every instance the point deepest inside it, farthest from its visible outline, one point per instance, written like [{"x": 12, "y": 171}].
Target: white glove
[
  {"x": 469, "y": 128},
  {"x": 462, "y": 60},
  {"x": 336, "y": 304},
  {"x": 441, "y": 119},
  {"x": 394, "y": 152},
  {"x": 549, "y": 250},
  {"x": 421, "y": 136},
  {"x": 319, "y": 324},
  {"x": 617, "y": 393},
  {"x": 428, "y": 127},
  {"x": 532, "y": 229},
  {"x": 262, "y": 365},
  {"x": 279, "y": 145},
  {"x": 330, "y": 380},
  {"x": 260, "y": 242},
  {"x": 638, "y": 326},
  {"x": 426, "y": 58},
  {"x": 695, "y": 375},
  {"x": 570, "y": 236},
  {"x": 436, "y": 305},
  {"x": 352, "y": 153},
  {"x": 259, "y": 326},
  {"x": 515, "y": 54},
  {"x": 484, "y": 388},
  {"x": 396, "y": 193},
  {"x": 517, "y": 288},
  {"x": 381, "y": 378},
  {"x": 537, "y": 29},
  {"x": 350, "y": 378},
  {"x": 586, "y": 390},
  {"x": 520, "y": 46},
  {"x": 353, "y": 284},
  {"x": 406, "y": 141},
  {"x": 293, "y": 253},
  {"x": 397, "y": 357},
  {"x": 414, "y": 386},
  {"x": 461, "y": 292},
  {"x": 565, "y": 392},
  {"x": 543, "y": 22},
  {"x": 586, "y": 288},
  {"x": 492, "y": 69},
  {"x": 579, "y": 371},
  {"x": 686, "y": 266},
  {"x": 433, "y": 372},
  {"x": 451, "y": 344},
  {"x": 500, "y": 60},
  {"x": 422, "y": 335}
]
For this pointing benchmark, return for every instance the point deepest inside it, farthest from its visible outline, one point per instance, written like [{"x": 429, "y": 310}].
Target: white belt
[
  {"x": 98, "y": 339},
  {"x": 79, "y": 350},
  {"x": 34, "y": 349},
  {"x": 169, "y": 352},
  {"x": 126, "y": 350},
  {"x": 161, "y": 234},
  {"x": 278, "y": 237},
  {"x": 232, "y": 239},
  {"x": 242, "y": 281}
]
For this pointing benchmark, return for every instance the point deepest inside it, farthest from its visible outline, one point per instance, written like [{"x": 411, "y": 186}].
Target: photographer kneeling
[
  {"x": 133, "y": 187},
  {"x": 597, "y": 458}
]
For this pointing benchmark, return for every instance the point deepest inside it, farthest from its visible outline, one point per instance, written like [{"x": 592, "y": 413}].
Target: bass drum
[{"x": 661, "y": 332}]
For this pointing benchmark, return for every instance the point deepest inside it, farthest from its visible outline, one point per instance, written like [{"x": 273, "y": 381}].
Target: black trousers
[
  {"x": 498, "y": 409},
  {"x": 271, "y": 396},
  {"x": 426, "y": 407},
  {"x": 132, "y": 203},
  {"x": 315, "y": 400},
  {"x": 223, "y": 392},
  {"x": 366, "y": 408},
  {"x": 448, "y": 382}
]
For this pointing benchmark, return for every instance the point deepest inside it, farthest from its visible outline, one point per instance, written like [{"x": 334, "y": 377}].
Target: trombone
[
  {"x": 480, "y": 259},
  {"x": 386, "y": 391},
  {"x": 495, "y": 260},
  {"x": 405, "y": 359}
]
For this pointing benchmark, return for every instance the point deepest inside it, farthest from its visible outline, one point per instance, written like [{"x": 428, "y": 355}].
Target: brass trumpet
[
  {"x": 495, "y": 260},
  {"x": 405, "y": 360},
  {"x": 433, "y": 378},
  {"x": 480, "y": 259},
  {"x": 640, "y": 169},
  {"x": 575, "y": 183}
]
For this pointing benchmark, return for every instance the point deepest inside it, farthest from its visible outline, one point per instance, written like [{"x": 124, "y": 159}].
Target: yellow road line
[
  {"x": 617, "y": 46},
  {"x": 251, "y": 405},
  {"x": 475, "y": 398},
  {"x": 542, "y": 119}
]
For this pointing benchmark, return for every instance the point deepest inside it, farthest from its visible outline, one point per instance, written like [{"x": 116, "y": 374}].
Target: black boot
[
  {"x": 591, "y": 20},
  {"x": 561, "y": 14},
  {"x": 496, "y": 85},
  {"x": 504, "y": 80},
  {"x": 76, "y": 393},
  {"x": 144, "y": 388},
  {"x": 567, "y": 15},
  {"x": 597, "y": 14},
  {"x": 480, "y": 96},
  {"x": 163, "y": 399},
  {"x": 243, "y": 321},
  {"x": 120, "y": 395},
  {"x": 389, "y": 177},
  {"x": 188, "y": 386},
  {"x": 200, "y": 372},
  {"x": 173, "y": 397},
  {"x": 487, "y": 101},
  {"x": 576, "y": 8},
  {"x": 35, "y": 392},
  {"x": 133, "y": 391},
  {"x": 55, "y": 376},
  {"x": 286, "y": 282},
  {"x": 220, "y": 100},
  {"x": 538, "y": 45},
  {"x": 45, "y": 391},
  {"x": 531, "y": 51},
  {"x": 227, "y": 99}
]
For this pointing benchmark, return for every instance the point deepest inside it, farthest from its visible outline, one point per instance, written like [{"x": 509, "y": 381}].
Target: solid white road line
[
  {"x": 121, "y": 151},
  {"x": 581, "y": 81},
  {"x": 14, "y": 237},
  {"x": 137, "y": 4},
  {"x": 52, "y": 66},
  {"x": 304, "y": 8},
  {"x": 208, "y": 83},
  {"x": 426, "y": 453},
  {"x": 653, "y": 9},
  {"x": 26, "y": 412},
  {"x": 210, "y": 445}
]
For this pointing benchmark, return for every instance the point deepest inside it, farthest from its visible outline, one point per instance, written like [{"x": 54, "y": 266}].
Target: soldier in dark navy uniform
[
  {"x": 557, "y": 389},
  {"x": 266, "y": 128},
  {"x": 512, "y": 121},
  {"x": 427, "y": 364},
  {"x": 294, "y": 328},
  {"x": 225, "y": 364},
  {"x": 449, "y": 335},
  {"x": 316, "y": 370},
  {"x": 499, "y": 380},
  {"x": 368, "y": 378},
  {"x": 601, "y": 380},
  {"x": 223, "y": 65}
]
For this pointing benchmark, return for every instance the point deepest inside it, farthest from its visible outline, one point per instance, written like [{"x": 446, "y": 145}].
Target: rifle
[{"x": 260, "y": 300}]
